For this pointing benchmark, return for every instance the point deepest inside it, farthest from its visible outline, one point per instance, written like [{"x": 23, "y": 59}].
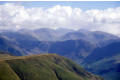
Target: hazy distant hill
[
  {"x": 42, "y": 67},
  {"x": 84, "y": 47},
  {"x": 95, "y": 37},
  {"x": 41, "y": 40},
  {"x": 74, "y": 49},
  {"x": 46, "y": 34},
  {"x": 7, "y": 47},
  {"x": 107, "y": 59}
]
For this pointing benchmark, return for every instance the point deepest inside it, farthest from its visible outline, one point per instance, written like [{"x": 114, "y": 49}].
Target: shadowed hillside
[{"x": 107, "y": 57}]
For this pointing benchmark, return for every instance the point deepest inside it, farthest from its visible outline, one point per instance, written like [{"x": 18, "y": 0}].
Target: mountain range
[{"x": 88, "y": 48}]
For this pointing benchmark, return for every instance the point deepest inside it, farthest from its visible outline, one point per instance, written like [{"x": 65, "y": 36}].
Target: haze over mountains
[
  {"x": 107, "y": 57},
  {"x": 88, "y": 48},
  {"x": 32, "y": 33}
]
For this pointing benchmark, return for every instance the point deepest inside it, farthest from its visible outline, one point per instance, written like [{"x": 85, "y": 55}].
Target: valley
[{"x": 87, "y": 48}]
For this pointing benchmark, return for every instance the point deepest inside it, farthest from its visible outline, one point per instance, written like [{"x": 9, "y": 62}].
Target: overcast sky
[{"x": 95, "y": 16}]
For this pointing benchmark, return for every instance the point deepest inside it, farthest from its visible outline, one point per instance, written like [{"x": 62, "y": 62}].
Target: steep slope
[
  {"x": 8, "y": 47},
  {"x": 20, "y": 40},
  {"x": 49, "y": 67},
  {"x": 15, "y": 37},
  {"x": 6, "y": 72},
  {"x": 107, "y": 51},
  {"x": 107, "y": 59},
  {"x": 73, "y": 49},
  {"x": 109, "y": 68}
]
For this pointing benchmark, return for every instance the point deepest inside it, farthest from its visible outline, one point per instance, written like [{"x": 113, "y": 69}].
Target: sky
[
  {"x": 90, "y": 15},
  {"x": 84, "y": 5}
]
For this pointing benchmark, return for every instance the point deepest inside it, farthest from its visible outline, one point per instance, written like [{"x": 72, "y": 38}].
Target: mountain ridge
[{"x": 42, "y": 67}]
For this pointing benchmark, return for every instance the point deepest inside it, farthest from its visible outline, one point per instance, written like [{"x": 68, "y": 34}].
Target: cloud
[{"x": 15, "y": 17}]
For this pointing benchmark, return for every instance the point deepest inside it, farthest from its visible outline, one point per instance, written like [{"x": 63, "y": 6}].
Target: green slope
[
  {"x": 42, "y": 67},
  {"x": 6, "y": 72}
]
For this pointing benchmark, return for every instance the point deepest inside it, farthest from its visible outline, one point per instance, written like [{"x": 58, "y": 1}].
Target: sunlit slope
[
  {"x": 49, "y": 67},
  {"x": 6, "y": 72}
]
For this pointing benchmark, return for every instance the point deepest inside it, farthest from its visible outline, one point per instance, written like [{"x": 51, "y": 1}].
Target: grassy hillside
[
  {"x": 41, "y": 67},
  {"x": 6, "y": 72}
]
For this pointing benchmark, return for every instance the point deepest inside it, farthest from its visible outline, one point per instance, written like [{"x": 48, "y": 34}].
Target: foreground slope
[{"x": 41, "y": 67}]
